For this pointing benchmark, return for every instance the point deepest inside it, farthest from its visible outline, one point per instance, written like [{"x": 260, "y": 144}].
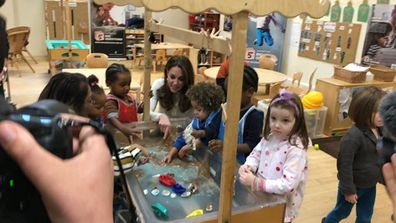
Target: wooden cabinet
[
  {"x": 206, "y": 20},
  {"x": 134, "y": 36},
  {"x": 335, "y": 97}
]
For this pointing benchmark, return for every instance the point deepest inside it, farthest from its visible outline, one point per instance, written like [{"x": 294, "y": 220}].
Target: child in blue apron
[
  {"x": 205, "y": 99},
  {"x": 250, "y": 122}
]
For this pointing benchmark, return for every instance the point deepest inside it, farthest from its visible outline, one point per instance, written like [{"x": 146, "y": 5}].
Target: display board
[
  {"x": 331, "y": 42},
  {"x": 266, "y": 35}
]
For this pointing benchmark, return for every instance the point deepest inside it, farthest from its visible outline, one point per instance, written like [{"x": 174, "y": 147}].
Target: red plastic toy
[{"x": 167, "y": 180}]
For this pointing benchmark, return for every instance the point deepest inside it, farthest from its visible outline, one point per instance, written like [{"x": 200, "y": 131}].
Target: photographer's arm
[
  {"x": 389, "y": 171},
  {"x": 79, "y": 189}
]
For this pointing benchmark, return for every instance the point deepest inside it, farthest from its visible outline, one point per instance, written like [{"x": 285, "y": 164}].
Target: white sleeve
[{"x": 154, "y": 116}]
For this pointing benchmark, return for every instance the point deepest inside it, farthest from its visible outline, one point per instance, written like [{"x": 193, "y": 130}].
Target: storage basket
[
  {"x": 349, "y": 76},
  {"x": 383, "y": 73}
]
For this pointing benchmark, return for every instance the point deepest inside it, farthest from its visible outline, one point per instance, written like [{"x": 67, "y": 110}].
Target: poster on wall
[
  {"x": 380, "y": 42},
  {"x": 266, "y": 35},
  {"x": 108, "y": 29}
]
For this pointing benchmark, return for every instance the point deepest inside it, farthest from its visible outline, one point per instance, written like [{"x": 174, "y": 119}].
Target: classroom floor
[{"x": 321, "y": 189}]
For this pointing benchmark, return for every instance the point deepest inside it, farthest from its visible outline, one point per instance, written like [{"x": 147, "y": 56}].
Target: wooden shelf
[{"x": 134, "y": 36}]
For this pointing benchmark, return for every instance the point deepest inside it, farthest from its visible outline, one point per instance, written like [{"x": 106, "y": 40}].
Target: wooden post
[
  {"x": 234, "y": 89},
  {"x": 68, "y": 30},
  {"x": 147, "y": 65}
]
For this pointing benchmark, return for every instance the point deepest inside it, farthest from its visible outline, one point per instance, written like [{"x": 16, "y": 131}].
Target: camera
[{"x": 19, "y": 200}]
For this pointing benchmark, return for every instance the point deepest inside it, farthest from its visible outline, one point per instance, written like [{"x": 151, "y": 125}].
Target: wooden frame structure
[{"x": 239, "y": 11}]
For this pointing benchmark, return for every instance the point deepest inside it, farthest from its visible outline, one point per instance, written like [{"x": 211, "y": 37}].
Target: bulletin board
[{"x": 331, "y": 42}]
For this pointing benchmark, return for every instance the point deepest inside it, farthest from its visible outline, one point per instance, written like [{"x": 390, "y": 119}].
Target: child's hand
[
  {"x": 198, "y": 133},
  {"x": 183, "y": 151},
  {"x": 351, "y": 198},
  {"x": 130, "y": 130},
  {"x": 244, "y": 169},
  {"x": 246, "y": 177},
  {"x": 168, "y": 158},
  {"x": 215, "y": 145}
]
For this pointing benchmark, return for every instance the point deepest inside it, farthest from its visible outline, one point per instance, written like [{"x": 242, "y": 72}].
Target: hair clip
[{"x": 285, "y": 95}]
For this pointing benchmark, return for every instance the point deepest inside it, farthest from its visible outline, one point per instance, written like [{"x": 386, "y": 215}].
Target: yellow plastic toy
[
  {"x": 195, "y": 213},
  {"x": 313, "y": 100},
  {"x": 316, "y": 147}
]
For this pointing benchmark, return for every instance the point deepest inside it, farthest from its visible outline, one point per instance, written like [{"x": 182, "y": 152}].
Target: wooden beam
[
  {"x": 234, "y": 89},
  {"x": 197, "y": 39},
  {"x": 68, "y": 29},
  {"x": 147, "y": 66}
]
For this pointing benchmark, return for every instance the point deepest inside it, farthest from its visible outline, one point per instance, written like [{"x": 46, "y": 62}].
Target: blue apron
[{"x": 241, "y": 126}]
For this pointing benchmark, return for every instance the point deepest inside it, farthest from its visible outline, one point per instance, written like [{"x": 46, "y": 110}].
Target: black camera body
[{"x": 19, "y": 200}]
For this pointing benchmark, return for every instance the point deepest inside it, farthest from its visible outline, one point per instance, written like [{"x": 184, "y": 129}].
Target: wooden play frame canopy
[{"x": 239, "y": 10}]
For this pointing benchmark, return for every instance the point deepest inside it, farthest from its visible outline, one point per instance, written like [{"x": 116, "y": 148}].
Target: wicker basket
[
  {"x": 349, "y": 76},
  {"x": 383, "y": 73}
]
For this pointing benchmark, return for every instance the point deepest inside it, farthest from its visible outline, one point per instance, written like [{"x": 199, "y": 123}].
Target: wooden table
[
  {"x": 100, "y": 73},
  {"x": 266, "y": 77}
]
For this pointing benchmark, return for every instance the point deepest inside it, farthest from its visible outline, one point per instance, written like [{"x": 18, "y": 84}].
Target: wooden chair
[
  {"x": 17, "y": 41},
  {"x": 267, "y": 61},
  {"x": 302, "y": 91},
  {"x": 97, "y": 60},
  {"x": 178, "y": 52},
  {"x": 23, "y": 28},
  {"x": 296, "y": 78},
  {"x": 159, "y": 56}
]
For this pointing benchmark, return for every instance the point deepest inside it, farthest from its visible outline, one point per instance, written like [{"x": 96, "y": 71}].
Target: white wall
[
  {"x": 28, "y": 13},
  {"x": 173, "y": 17},
  {"x": 292, "y": 62}
]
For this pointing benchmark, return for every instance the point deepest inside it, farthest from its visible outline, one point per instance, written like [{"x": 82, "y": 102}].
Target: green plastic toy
[{"x": 159, "y": 210}]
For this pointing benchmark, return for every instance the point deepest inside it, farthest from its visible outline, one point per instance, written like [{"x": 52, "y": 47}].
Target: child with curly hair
[{"x": 205, "y": 99}]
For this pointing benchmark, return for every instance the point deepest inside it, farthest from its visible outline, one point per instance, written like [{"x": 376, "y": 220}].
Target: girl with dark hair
[
  {"x": 250, "y": 119},
  {"x": 71, "y": 89},
  {"x": 280, "y": 160},
  {"x": 358, "y": 161},
  {"x": 95, "y": 111},
  {"x": 120, "y": 106},
  {"x": 169, "y": 94}
]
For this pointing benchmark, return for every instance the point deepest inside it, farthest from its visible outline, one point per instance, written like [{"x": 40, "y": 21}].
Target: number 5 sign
[{"x": 250, "y": 54}]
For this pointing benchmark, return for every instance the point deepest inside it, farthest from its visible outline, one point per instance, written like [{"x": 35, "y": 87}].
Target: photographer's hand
[{"x": 79, "y": 189}]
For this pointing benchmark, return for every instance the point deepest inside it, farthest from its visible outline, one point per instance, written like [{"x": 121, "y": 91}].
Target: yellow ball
[{"x": 316, "y": 147}]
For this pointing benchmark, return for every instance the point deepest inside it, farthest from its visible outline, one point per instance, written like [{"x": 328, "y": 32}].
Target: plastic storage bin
[{"x": 314, "y": 119}]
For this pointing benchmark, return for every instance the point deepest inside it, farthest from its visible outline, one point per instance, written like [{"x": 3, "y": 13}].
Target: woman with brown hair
[{"x": 169, "y": 94}]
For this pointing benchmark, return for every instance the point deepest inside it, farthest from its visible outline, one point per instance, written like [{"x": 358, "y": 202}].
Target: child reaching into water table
[
  {"x": 278, "y": 164},
  {"x": 206, "y": 100}
]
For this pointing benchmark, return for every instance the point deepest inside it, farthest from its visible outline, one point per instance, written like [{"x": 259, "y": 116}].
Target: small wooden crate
[
  {"x": 349, "y": 76},
  {"x": 383, "y": 73}
]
